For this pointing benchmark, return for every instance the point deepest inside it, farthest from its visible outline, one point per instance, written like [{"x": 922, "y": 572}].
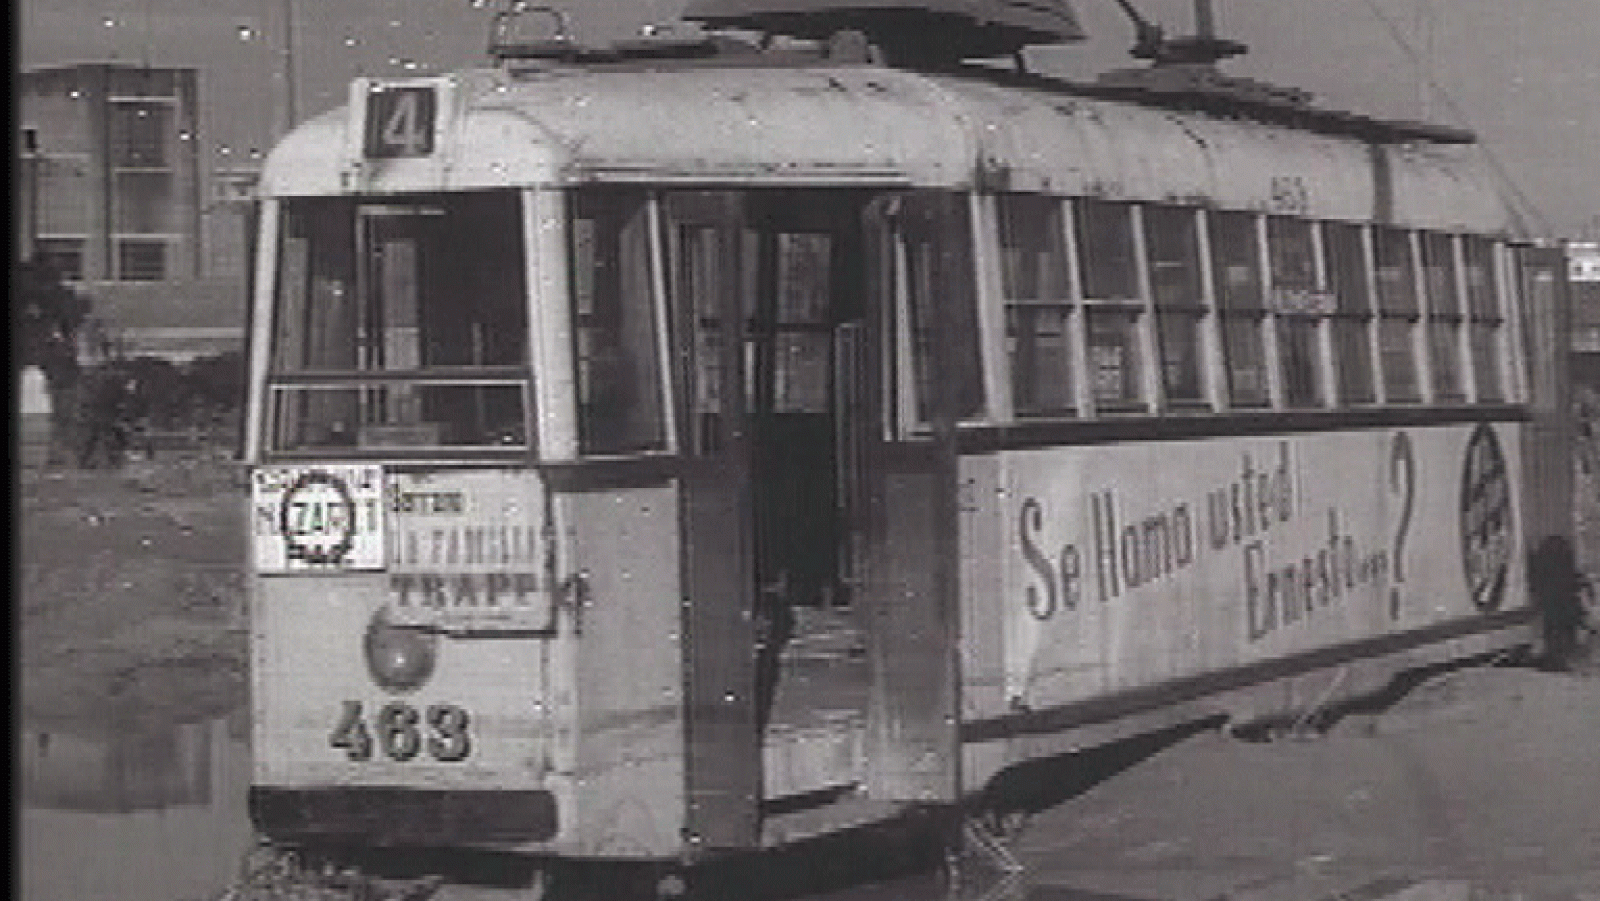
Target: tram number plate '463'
[
  {"x": 317, "y": 518},
  {"x": 402, "y": 733}
]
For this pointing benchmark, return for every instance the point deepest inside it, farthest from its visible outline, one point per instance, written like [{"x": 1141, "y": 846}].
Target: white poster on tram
[
  {"x": 470, "y": 551},
  {"x": 1133, "y": 564}
]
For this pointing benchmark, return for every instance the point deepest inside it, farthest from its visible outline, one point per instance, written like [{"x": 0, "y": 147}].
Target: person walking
[{"x": 109, "y": 417}]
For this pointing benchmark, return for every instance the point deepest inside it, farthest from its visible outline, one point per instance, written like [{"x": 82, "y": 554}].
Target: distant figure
[
  {"x": 110, "y": 417},
  {"x": 1558, "y": 590}
]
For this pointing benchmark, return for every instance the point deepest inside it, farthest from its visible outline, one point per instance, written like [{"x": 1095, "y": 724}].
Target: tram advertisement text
[{"x": 1128, "y": 566}]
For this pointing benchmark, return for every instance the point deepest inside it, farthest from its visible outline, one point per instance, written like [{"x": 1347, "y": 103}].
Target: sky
[{"x": 1523, "y": 74}]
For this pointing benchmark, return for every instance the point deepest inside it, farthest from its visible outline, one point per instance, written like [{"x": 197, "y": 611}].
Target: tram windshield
[{"x": 400, "y": 324}]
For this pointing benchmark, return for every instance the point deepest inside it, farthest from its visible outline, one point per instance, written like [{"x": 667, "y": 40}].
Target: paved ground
[{"x": 1482, "y": 784}]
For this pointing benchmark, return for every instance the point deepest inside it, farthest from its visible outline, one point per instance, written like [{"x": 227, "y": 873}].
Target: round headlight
[{"x": 400, "y": 658}]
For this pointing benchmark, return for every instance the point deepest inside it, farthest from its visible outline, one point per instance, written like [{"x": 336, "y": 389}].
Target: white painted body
[{"x": 868, "y": 125}]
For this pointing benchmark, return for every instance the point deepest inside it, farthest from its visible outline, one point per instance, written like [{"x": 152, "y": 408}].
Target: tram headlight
[{"x": 400, "y": 658}]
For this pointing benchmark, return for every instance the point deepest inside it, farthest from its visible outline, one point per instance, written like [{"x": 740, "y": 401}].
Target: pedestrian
[
  {"x": 1560, "y": 589},
  {"x": 109, "y": 417}
]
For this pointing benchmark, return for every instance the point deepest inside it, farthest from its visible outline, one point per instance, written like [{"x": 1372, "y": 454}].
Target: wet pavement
[{"x": 152, "y": 813}]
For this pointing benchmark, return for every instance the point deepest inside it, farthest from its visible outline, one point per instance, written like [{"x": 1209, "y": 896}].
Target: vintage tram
[{"x": 687, "y": 447}]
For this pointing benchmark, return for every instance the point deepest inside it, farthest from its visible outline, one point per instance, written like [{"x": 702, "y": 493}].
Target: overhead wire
[{"x": 1424, "y": 71}]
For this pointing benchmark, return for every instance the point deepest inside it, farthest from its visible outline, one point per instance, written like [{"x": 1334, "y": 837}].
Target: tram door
[
  {"x": 767, "y": 293},
  {"x": 803, "y": 346}
]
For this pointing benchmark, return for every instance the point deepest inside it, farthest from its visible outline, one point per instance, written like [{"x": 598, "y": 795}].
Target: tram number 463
[{"x": 402, "y": 732}]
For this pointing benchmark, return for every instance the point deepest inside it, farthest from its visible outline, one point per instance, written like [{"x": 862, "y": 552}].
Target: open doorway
[
  {"x": 804, "y": 341},
  {"x": 796, "y": 509}
]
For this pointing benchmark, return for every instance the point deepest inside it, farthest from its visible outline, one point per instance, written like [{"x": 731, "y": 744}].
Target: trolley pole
[
  {"x": 1205, "y": 25},
  {"x": 287, "y": 64}
]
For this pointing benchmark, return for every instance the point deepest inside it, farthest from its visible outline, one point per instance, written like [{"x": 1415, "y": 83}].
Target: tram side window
[
  {"x": 800, "y": 332},
  {"x": 1398, "y": 313},
  {"x": 316, "y": 290},
  {"x": 1347, "y": 275},
  {"x": 1485, "y": 317},
  {"x": 1236, "y": 268},
  {"x": 1107, "y": 261},
  {"x": 699, "y": 272},
  {"x": 1444, "y": 317},
  {"x": 614, "y": 326},
  {"x": 1298, "y": 300},
  {"x": 317, "y": 320},
  {"x": 1038, "y": 304},
  {"x": 940, "y": 290},
  {"x": 1172, "y": 242}
]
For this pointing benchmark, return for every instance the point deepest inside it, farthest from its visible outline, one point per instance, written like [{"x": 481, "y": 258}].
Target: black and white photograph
[{"x": 806, "y": 450}]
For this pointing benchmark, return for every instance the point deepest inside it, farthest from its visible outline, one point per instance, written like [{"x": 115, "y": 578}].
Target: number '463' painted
[{"x": 401, "y": 732}]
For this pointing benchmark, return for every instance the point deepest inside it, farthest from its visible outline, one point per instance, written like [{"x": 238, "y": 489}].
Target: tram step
[{"x": 815, "y": 757}]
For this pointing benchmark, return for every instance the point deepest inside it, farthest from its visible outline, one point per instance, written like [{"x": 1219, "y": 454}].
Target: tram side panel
[
  {"x": 1127, "y": 579},
  {"x": 629, "y": 749}
]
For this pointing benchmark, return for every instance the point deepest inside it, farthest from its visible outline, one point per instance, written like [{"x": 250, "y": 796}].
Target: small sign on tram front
[
  {"x": 319, "y": 518},
  {"x": 400, "y": 120}
]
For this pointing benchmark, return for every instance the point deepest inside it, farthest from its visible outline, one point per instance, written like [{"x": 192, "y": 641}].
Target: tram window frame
[
  {"x": 1485, "y": 319},
  {"x": 1399, "y": 314},
  {"x": 615, "y": 322},
  {"x": 1107, "y": 257},
  {"x": 1300, "y": 305},
  {"x": 1240, "y": 287},
  {"x": 1444, "y": 316},
  {"x": 1036, "y": 284},
  {"x": 697, "y": 254},
  {"x": 937, "y": 297},
  {"x": 400, "y": 325},
  {"x": 1177, "y": 292},
  {"x": 1345, "y": 262}
]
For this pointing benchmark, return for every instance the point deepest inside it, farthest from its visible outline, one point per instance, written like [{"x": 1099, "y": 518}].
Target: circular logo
[
  {"x": 1485, "y": 519},
  {"x": 318, "y": 519}
]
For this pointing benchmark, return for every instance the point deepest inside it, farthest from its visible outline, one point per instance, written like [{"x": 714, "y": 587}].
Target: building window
[
  {"x": 139, "y": 134},
  {"x": 1444, "y": 317},
  {"x": 1300, "y": 305},
  {"x": 63, "y": 256},
  {"x": 1398, "y": 312},
  {"x": 1038, "y": 304},
  {"x": 65, "y": 194},
  {"x": 141, "y": 260},
  {"x": 1483, "y": 310},
  {"x": 144, "y": 203},
  {"x": 1347, "y": 275},
  {"x": 1236, "y": 269},
  {"x": 1172, "y": 242}
]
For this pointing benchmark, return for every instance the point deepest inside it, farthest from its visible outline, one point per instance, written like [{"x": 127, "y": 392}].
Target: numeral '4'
[
  {"x": 350, "y": 733},
  {"x": 402, "y": 129}
]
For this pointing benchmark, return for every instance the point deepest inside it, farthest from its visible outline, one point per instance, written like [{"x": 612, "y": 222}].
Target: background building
[
  {"x": 1583, "y": 261},
  {"x": 116, "y": 194}
]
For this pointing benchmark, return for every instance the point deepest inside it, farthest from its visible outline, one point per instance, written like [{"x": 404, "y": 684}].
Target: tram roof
[{"x": 827, "y": 124}]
